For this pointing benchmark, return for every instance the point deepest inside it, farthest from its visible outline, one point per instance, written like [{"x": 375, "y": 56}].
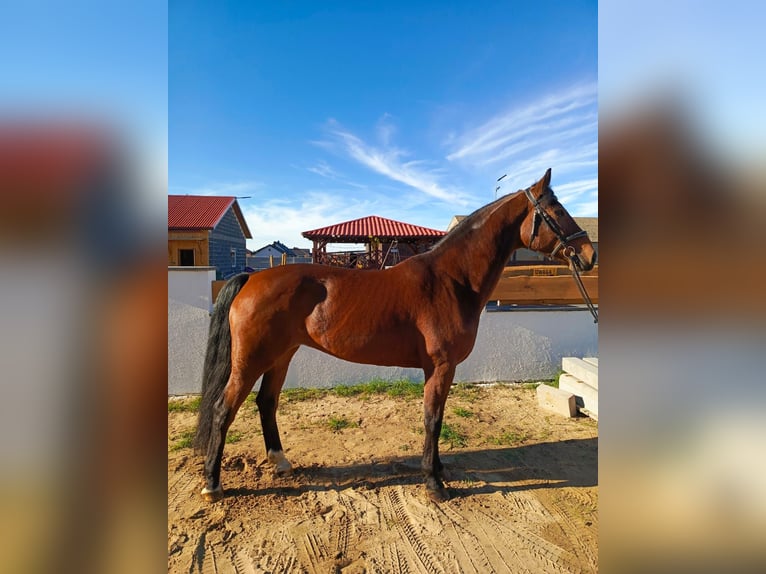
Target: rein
[{"x": 569, "y": 252}]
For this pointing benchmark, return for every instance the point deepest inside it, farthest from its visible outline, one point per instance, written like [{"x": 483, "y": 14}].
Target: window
[
  {"x": 186, "y": 257},
  {"x": 233, "y": 257}
]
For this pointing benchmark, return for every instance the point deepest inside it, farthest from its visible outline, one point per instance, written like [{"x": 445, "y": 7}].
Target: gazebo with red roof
[{"x": 387, "y": 242}]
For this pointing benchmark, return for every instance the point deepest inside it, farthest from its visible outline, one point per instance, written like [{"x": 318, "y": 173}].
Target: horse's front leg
[{"x": 437, "y": 387}]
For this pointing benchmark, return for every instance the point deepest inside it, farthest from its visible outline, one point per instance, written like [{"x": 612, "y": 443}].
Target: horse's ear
[{"x": 547, "y": 178}]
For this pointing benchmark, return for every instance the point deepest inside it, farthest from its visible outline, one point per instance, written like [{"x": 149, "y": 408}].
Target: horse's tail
[{"x": 217, "y": 359}]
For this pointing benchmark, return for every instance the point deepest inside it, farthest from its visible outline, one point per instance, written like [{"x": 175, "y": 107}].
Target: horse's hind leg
[
  {"x": 234, "y": 394},
  {"x": 267, "y": 401}
]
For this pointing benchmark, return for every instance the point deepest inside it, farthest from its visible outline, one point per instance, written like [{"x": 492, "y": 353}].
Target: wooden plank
[
  {"x": 527, "y": 290},
  {"x": 581, "y": 370},
  {"x": 585, "y": 396},
  {"x": 543, "y": 270},
  {"x": 591, "y": 361},
  {"x": 556, "y": 401}
]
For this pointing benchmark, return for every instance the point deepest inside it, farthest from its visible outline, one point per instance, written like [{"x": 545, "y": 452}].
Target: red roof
[
  {"x": 372, "y": 226},
  {"x": 56, "y": 162},
  {"x": 196, "y": 212}
]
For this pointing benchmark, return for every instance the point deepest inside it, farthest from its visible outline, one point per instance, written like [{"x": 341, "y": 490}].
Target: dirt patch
[{"x": 523, "y": 485}]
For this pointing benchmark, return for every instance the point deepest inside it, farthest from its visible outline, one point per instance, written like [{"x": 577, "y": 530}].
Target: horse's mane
[{"x": 470, "y": 222}]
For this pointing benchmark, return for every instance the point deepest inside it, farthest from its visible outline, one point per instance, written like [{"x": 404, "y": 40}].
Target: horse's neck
[{"x": 476, "y": 259}]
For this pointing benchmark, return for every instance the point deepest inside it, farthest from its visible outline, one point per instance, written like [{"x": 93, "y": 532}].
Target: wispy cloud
[
  {"x": 585, "y": 209},
  {"x": 392, "y": 162},
  {"x": 385, "y": 128},
  {"x": 551, "y": 116},
  {"x": 580, "y": 197},
  {"x": 559, "y": 131},
  {"x": 285, "y": 219},
  {"x": 574, "y": 190},
  {"x": 528, "y": 169},
  {"x": 323, "y": 168}
]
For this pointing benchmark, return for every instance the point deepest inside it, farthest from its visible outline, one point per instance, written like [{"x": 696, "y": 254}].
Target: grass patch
[
  {"x": 337, "y": 424},
  {"x": 303, "y": 394},
  {"x": 554, "y": 382},
  {"x": 467, "y": 392},
  {"x": 453, "y": 436},
  {"x": 462, "y": 412},
  {"x": 508, "y": 438},
  {"x": 401, "y": 388},
  {"x": 233, "y": 436},
  {"x": 532, "y": 385},
  {"x": 405, "y": 388},
  {"x": 184, "y": 405},
  {"x": 184, "y": 441},
  {"x": 347, "y": 390}
]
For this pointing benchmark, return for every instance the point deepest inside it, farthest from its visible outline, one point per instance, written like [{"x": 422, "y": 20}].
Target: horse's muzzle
[{"x": 585, "y": 260}]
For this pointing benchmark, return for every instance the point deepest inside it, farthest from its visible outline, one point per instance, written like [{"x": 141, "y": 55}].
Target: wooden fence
[
  {"x": 529, "y": 285},
  {"x": 543, "y": 285}
]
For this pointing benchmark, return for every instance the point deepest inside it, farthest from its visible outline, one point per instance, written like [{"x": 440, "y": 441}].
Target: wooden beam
[
  {"x": 543, "y": 271},
  {"x": 557, "y": 290}
]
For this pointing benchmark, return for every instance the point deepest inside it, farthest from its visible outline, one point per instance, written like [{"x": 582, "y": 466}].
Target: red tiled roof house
[{"x": 207, "y": 231}]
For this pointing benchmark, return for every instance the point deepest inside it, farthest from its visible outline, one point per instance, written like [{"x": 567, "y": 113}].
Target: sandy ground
[{"x": 523, "y": 485}]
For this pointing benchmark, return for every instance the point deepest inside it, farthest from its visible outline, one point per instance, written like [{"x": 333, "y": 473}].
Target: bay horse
[{"x": 424, "y": 314}]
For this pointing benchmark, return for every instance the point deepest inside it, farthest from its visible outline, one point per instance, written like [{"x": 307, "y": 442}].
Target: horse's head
[{"x": 548, "y": 228}]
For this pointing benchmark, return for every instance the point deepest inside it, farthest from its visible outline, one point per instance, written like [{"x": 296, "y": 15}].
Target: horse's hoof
[
  {"x": 282, "y": 466},
  {"x": 283, "y": 470},
  {"x": 438, "y": 494},
  {"x": 212, "y": 495}
]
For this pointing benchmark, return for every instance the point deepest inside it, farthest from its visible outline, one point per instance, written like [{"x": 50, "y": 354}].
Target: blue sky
[
  {"x": 325, "y": 112},
  {"x": 104, "y": 62}
]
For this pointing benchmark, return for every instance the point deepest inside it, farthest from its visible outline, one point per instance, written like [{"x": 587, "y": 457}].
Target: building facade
[{"x": 207, "y": 231}]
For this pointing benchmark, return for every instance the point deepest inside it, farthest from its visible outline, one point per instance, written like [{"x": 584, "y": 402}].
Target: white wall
[
  {"x": 517, "y": 345},
  {"x": 191, "y": 286}
]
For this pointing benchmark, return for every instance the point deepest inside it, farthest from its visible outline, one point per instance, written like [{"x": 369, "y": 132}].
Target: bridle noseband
[
  {"x": 569, "y": 252},
  {"x": 540, "y": 214}
]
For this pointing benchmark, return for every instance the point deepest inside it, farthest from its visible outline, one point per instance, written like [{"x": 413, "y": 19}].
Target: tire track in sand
[
  {"x": 406, "y": 527},
  {"x": 471, "y": 550},
  {"x": 548, "y": 555},
  {"x": 572, "y": 526}
]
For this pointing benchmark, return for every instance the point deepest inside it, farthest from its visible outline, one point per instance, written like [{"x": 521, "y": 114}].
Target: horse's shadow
[{"x": 543, "y": 465}]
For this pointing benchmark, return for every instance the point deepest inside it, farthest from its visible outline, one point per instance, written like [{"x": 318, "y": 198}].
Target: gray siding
[{"x": 227, "y": 235}]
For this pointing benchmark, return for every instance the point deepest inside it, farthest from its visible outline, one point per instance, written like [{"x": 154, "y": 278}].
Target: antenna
[{"x": 498, "y": 187}]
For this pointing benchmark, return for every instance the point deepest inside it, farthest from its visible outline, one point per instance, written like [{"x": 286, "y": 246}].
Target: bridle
[
  {"x": 563, "y": 242},
  {"x": 540, "y": 214}
]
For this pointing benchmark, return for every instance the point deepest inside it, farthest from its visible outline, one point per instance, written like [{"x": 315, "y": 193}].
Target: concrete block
[
  {"x": 585, "y": 395},
  {"x": 557, "y": 401},
  {"x": 578, "y": 368},
  {"x": 591, "y": 361}
]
